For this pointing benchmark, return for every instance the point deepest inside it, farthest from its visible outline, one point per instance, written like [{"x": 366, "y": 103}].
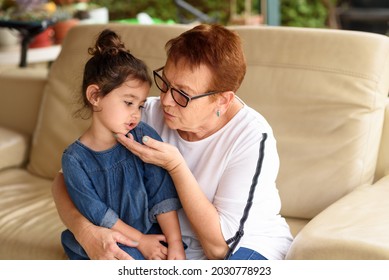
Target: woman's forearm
[
  {"x": 67, "y": 211},
  {"x": 201, "y": 213}
]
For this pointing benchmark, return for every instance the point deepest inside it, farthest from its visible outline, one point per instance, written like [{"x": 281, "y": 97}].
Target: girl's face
[{"x": 120, "y": 110}]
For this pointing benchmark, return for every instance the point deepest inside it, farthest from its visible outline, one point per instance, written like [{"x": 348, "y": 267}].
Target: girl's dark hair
[{"x": 110, "y": 66}]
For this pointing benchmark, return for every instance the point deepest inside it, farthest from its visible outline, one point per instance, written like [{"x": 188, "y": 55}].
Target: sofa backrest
[{"x": 323, "y": 92}]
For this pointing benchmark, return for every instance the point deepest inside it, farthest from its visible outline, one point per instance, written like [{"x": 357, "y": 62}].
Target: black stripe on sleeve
[{"x": 238, "y": 235}]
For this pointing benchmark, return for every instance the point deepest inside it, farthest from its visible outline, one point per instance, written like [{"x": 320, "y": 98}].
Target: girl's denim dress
[{"x": 113, "y": 184}]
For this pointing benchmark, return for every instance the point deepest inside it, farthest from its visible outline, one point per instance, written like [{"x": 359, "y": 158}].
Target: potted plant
[
  {"x": 32, "y": 12},
  {"x": 64, "y": 21},
  {"x": 24, "y": 10},
  {"x": 67, "y": 16}
]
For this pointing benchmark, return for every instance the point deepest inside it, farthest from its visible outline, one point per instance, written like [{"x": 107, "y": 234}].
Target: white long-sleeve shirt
[{"x": 224, "y": 165}]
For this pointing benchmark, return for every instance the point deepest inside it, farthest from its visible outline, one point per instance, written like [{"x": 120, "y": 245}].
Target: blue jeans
[{"x": 246, "y": 254}]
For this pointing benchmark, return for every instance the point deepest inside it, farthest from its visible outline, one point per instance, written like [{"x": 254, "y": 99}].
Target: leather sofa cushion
[
  {"x": 13, "y": 148},
  {"x": 23, "y": 89},
  {"x": 383, "y": 157},
  {"x": 353, "y": 228},
  {"x": 30, "y": 227}
]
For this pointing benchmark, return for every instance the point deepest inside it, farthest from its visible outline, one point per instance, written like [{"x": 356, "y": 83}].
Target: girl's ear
[{"x": 92, "y": 94}]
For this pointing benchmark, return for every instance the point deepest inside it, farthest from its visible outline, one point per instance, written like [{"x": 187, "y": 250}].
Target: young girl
[{"x": 109, "y": 185}]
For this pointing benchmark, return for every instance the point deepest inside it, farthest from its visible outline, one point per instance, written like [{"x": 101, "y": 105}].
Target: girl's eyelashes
[{"x": 129, "y": 103}]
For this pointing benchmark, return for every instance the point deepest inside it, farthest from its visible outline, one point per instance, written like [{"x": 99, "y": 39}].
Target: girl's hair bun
[{"x": 108, "y": 43}]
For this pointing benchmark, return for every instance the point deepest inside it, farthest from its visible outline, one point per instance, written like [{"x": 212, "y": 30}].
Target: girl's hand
[
  {"x": 155, "y": 152},
  {"x": 151, "y": 248},
  {"x": 101, "y": 243},
  {"x": 176, "y": 251}
]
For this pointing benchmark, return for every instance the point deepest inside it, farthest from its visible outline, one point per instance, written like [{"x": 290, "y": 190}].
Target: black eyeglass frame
[{"x": 184, "y": 94}]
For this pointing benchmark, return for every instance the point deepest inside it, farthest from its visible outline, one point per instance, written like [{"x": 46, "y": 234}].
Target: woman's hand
[
  {"x": 153, "y": 151},
  {"x": 101, "y": 243}
]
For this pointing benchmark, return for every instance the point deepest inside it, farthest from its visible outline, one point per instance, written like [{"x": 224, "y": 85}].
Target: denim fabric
[
  {"x": 75, "y": 252},
  {"x": 246, "y": 254},
  {"x": 113, "y": 184}
]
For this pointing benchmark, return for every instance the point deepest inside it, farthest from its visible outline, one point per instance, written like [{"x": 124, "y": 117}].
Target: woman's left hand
[{"x": 153, "y": 151}]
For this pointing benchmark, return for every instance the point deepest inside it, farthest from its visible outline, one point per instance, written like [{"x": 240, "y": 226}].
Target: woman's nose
[{"x": 167, "y": 98}]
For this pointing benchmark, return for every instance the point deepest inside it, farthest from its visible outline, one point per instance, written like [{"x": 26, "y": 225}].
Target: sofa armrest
[
  {"x": 383, "y": 155},
  {"x": 354, "y": 227},
  {"x": 20, "y": 98},
  {"x": 13, "y": 148}
]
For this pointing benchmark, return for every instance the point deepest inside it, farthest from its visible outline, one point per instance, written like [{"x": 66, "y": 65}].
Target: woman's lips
[{"x": 168, "y": 116}]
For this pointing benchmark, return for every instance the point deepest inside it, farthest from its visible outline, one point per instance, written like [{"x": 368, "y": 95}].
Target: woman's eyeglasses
[{"x": 179, "y": 96}]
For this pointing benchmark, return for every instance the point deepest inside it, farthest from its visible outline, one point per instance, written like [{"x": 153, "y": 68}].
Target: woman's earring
[{"x": 218, "y": 113}]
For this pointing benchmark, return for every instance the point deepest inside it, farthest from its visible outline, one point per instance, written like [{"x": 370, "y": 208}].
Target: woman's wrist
[
  {"x": 84, "y": 234},
  {"x": 175, "y": 164}
]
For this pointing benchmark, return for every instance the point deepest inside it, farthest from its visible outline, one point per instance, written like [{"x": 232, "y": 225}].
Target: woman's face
[{"x": 195, "y": 120}]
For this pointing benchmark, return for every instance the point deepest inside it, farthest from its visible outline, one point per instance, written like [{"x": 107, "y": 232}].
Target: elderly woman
[{"x": 220, "y": 153}]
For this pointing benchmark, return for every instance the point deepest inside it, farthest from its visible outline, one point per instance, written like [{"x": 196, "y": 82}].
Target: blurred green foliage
[
  {"x": 124, "y": 9},
  {"x": 305, "y": 13},
  {"x": 163, "y": 9}
]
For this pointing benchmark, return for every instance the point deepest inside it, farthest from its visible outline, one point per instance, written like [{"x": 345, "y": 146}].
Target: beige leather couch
[{"x": 325, "y": 93}]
